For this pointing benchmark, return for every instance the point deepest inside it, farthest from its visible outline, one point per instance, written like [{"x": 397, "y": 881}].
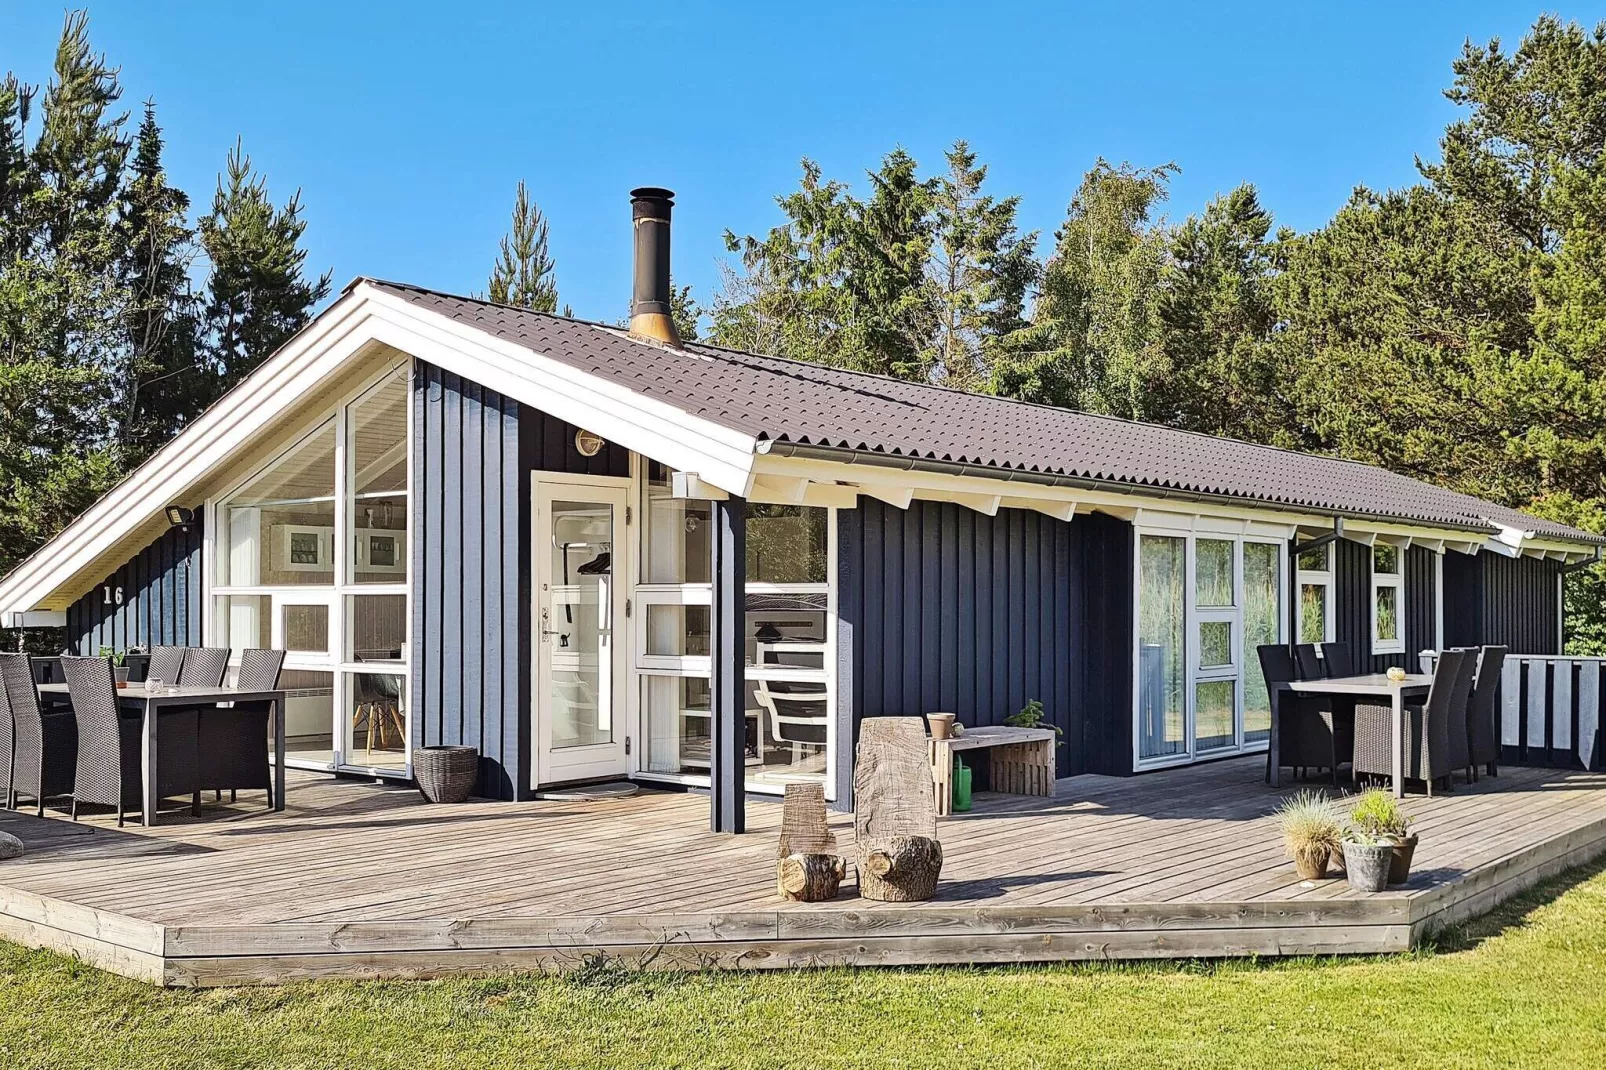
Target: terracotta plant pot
[
  {"x": 1311, "y": 863},
  {"x": 1367, "y": 865},
  {"x": 942, "y": 725},
  {"x": 1400, "y": 863}
]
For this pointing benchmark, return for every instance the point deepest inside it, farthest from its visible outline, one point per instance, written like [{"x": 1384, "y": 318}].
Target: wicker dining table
[
  {"x": 146, "y": 702},
  {"x": 1376, "y": 685}
]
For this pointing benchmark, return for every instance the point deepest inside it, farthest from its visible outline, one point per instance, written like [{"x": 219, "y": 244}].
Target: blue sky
[{"x": 408, "y": 124}]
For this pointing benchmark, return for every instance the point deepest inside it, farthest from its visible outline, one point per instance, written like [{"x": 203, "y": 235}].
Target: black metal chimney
[{"x": 650, "y": 208}]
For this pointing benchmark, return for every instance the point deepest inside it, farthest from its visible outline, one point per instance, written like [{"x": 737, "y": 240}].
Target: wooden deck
[{"x": 355, "y": 880}]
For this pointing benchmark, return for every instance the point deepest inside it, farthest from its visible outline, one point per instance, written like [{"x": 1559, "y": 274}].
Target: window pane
[
  {"x": 1313, "y": 613},
  {"x": 278, "y": 529},
  {"x": 676, "y": 710},
  {"x": 786, "y": 629},
  {"x": 306, "y": 629},
  {"x": 676, "y": 533},
  {"x": 1161, "y": 624},
  {"x": 1213, "y": 713},
  {"x": 244, "y": 622},
  {"x": 1215, "y": 644},
  {"x": 378, "y": 627},
  {"x": 377, "y": 718},
  {"x": 309, "y": 715},
  {"x": 785, "y": 544},
  {"x": 678, "y": 631},
  {"x": 1261, "y": 628},
  {"x": 1213, "y": 575},
  {"x": 1315, "y": 560},
  {"x": 1388, "y": 616},
  {"x": 791, "y": 730},
  {"x": 1385, "y": 558},
  {"x": 378, "y": 507}
]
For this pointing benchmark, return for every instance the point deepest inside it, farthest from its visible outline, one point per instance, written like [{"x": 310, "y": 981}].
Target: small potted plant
[
  {"x": 1376, "y": 826},
  {"x": 1032, "y": 715},
  {"x": 1311, "y": 832},
  {"x": 119, "y": 670}
]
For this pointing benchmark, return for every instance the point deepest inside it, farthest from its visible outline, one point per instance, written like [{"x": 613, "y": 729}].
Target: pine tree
[
  {"x": 257, "y": 294},
  {"x": 162, "y": 386},
  {"x": 523, "y": 274}
]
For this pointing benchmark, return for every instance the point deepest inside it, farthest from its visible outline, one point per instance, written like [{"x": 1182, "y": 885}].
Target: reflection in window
[
  {"x": 677, "y": 532},
  {"x": 377, "y": 504},
  {"x": 309, "y": 715},
  {"x": 679, "y": 631},
  {"x": 278, "y": 529},
  {"x": 1161, "y": 666},
  {"x": 785, "y": 544},
  {"x": 786, "y": 629},
  {"x": 1213, "y": 575},
  {"x": 1262, "y": 627},
  {"x": 1214, "y": 714}
]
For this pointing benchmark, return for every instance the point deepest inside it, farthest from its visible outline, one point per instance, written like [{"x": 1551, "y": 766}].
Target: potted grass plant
[
  {"x": 1378, "y": 831},
  {"x": 1311, "y": 832}
]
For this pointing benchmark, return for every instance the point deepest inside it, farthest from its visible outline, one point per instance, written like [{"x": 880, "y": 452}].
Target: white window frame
[
  {"x": 1322, "y": 578},
  {"x": 1396, "y": 582},
  {"x": 1194, "y": 615},
  {"x": 644, "y": 665},
  {"x": 336, "y": 661}
]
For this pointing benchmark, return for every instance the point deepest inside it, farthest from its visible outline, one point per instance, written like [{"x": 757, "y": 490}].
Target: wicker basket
[{"x": 446, "y": 774}]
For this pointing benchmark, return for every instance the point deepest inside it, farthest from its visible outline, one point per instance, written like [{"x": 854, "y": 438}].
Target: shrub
[{"x": 1308, "y": 823}]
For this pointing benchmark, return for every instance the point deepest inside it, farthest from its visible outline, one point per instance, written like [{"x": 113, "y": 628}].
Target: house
[{"x": 595, "y": 553}]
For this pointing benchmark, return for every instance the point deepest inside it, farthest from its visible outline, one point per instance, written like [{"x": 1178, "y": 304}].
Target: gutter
[{"x": 839, "y": 455}]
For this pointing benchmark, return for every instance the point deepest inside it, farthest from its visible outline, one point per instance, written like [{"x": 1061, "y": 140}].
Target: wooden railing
[{"x": 1550, "y": 709}]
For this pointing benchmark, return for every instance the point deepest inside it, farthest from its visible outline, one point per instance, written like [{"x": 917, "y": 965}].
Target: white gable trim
[{"x": 360, "y": 319}]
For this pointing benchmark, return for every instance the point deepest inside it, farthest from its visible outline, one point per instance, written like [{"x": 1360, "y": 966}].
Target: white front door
[{"x": 580, "y": 575}]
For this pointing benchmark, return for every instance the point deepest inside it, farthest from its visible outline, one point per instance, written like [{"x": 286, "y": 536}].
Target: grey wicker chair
[
  {"x": 36, "y": 749},
  {"x": 110, "y": 747},
  {"x": 1308, "y": 733},
  {"x": 204, "y": 666},
  {"x": 1309, "y": 662},
  {"x": 1428, "y": 755},
  {"x": 234, "y": 739},
  {"x": 1483, "y": 712},
  {"x": 1338, "y": 659},
  {"x": 166, "y": 663}
]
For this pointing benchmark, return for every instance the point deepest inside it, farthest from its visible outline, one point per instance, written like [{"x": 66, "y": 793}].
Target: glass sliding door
[
  {"x": 1262, "y": 626},
  {"x": 1162, "y": 631},
  {"x": 1215, "y": 689}
]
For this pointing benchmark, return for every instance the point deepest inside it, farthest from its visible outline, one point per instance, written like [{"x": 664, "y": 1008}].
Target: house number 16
[{"x": 114, "y": 595}]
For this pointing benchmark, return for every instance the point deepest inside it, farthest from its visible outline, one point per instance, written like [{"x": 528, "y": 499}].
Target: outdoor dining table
[
  {"x": 1371, "y": 684},
  {"x": 147, "y": 702}
]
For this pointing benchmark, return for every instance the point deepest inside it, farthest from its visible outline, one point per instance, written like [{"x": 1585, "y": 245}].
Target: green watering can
[{"x": 961, "y": 801}]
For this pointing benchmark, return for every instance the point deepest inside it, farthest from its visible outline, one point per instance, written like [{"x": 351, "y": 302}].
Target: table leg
[
  {"x": 278, "y": 754},
  {"x": 1274, "y": 761},
  {"x": 1397, "y": 750},
  {"x": 148, "y": 770}
]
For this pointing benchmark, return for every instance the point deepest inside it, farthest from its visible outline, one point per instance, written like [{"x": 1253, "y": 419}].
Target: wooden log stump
[
  {"x": 903, "y": 869},
  {"x": 809, "y": 878}
]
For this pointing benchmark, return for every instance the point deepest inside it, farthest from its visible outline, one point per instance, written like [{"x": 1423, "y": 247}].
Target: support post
[{"x": 728, "y": 682}]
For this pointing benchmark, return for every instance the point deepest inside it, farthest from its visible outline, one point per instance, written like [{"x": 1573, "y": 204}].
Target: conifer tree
[{"x": 523, "y": 274}]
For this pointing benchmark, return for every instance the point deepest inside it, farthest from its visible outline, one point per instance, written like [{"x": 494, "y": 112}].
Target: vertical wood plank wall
[
  {"x": 474, "y": 453},
  {"x": 161, "y": 599},
  {"x": 1352, "y": 603},
  {"x": 949, "y": 609},
  {"x": 1505, "y": 601}
]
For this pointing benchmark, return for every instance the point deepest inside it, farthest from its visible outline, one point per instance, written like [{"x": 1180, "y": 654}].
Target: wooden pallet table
[{"x": 1020, "y": 761}]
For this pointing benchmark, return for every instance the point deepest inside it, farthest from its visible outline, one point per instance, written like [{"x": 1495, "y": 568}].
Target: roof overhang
[{"x": 361, "y": 320}]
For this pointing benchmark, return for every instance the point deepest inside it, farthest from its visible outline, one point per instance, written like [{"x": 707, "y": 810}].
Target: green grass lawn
[{"x": 1523, "y": 987}]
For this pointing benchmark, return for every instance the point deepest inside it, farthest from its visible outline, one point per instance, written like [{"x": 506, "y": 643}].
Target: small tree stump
[
  {"x": 809, "y": 878},
  {"x": 903, "y": 869}
]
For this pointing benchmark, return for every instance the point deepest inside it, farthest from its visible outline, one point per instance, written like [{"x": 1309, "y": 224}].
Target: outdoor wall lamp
[{"x": 179, "y": 517}]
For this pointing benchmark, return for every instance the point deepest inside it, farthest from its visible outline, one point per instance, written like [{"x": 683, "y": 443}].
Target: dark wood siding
[
  {"x": 470, "y": 649},
  {"x": 1352, "y": 604},
  {"x": 950, "y": 609},
  {"x": 161, "y": 599},
  {"x": 1490, "y": 598},
  {"x": 473, "y": 455}
]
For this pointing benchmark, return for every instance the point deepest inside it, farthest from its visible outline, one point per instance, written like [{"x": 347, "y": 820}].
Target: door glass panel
[
  {"x": 377, "y": 716},
  {"x": 1213, "y": 573},
  {"x": 678, "y": 631},
  {"x": 1162, "y": 625},
  {"x": 1215, "y": 644},
  {"x": 1261, "y": 573},
  {"x": 309, "y": 716},
  {"x": 576, "y": 629},
  {"x": 1213, "y": 711}
]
